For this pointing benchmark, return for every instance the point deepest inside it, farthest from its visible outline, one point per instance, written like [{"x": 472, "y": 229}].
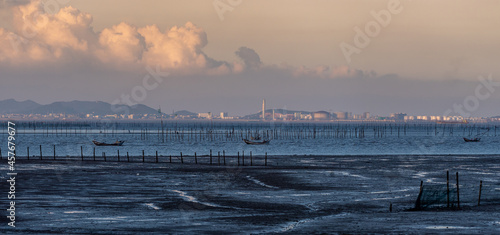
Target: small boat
[
  {"x": 472, "y": 140},
  {"x": 256, "y": 143},
  {"x": 117, "y": 143}
]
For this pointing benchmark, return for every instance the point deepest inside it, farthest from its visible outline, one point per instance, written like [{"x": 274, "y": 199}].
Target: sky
[{"x": 381, "y": 56}]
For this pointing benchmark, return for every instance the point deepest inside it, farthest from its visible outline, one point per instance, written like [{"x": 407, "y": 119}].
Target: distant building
[
  {"x": 398, "y": 116},
  {"x": 205, "y": 115},
  {"x": 366, "y": 115},
  {"x": 321, "y": 115},
  {"x": 263, "y": 109},
  {"x": 341, "y": 115},
  {"x": 224, "y": 115}
]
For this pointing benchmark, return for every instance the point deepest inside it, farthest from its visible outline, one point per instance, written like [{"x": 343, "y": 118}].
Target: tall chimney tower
[{"x": 264, "y": 109}]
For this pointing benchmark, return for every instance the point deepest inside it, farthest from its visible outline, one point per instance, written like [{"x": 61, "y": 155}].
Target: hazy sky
[{"x": 418, "y": 57}]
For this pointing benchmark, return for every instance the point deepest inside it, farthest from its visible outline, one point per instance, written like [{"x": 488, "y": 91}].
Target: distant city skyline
[
  {"x": 381, "y": 56},
  {"x": 98, "y": 110}
]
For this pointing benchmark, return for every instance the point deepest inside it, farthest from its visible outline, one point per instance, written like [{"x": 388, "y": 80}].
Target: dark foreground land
[{"x": 293, "y": 194}]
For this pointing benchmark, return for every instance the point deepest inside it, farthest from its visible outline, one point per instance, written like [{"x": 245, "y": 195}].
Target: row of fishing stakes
[
  {"x": 226, "y": 131},
  {"x": 219, "y": 156}
]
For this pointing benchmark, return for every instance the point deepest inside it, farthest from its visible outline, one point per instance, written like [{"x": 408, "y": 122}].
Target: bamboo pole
[
  {"x": 251, "y": 160},
  {"x": 447, "y": 189},
  {"x": 265, "y": 162},
  {"x": 458, "y": 193},
  {"x": 480, "y": 188}
]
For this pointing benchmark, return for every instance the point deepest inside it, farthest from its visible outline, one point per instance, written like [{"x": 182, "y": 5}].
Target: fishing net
[{"x": 433, "y": 196}]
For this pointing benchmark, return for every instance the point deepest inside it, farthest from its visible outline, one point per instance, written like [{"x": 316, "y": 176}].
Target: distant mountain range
[
  {"x": 100, "y": 108},
  {"x": 12, "y": 106}
]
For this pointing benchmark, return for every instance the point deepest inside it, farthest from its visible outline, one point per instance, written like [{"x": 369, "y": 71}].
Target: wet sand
[{"x": 293, "y": 194}]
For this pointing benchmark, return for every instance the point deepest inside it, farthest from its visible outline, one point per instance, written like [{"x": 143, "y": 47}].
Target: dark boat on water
[
  {"x": 117, "y": 143},
  {"x": 255, "y": 142},
  {"x": 472, "y": 140}
]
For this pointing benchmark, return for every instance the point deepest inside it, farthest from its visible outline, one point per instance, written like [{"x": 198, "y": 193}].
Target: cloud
[
  {"x": 67, "y": 37},
  {"x": 249, "y": 57},
  {"x": 121, "y": 42},
  {"x": 178, "y": 47},
  {"x": 39, "y": 36}
]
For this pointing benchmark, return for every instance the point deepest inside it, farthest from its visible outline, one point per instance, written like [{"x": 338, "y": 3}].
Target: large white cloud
[
  {"x": 179, "y": 47},
  {"x": 120, "y": 43}
]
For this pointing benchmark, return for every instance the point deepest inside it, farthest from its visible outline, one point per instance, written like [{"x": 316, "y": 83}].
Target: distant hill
[
  {"x": 73, "y": 107},
  {"x": 17, "y": 107},
  {"x": 270, "y": 111}
]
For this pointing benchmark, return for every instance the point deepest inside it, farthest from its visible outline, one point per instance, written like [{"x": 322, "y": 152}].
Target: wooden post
[
  {"x": 156, "y": 156},
  {"x": 447, "y": 189},
  {"x": 458, "y": 193},
  {"x": 265, "y": 163},
  {"x": 251, "y": 160},
  {"x": 238, "y": 158},
  {"x": 128, "y": 159},
  {"x": 118, "y": 154},
  {"x": 94, "y": 153},
  {"x": 243, "y": 157},
  {"x": 170, "y": 158},
  {"x": 421, "y": 186},
  {"x": 210, "y": 157},
  {"x": 54, "y": 152},
  {"x": 390, "y": 207},
  {"x": 41, "y": 157},
  {"x": 104, "y": 155},
  {"x": 480, "y": 188},
  {"x": 224, "y": 156},
  {"x": 195, "y": 158},
  {"x": 27, "y": 149},
  {"x": 81, "y": 152},
  {"x": 182, "y": 160},
  {"x": 218, "y": 157},
  {"x": 142, "y": 155},
  {"x": 8, "y": 157}
]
